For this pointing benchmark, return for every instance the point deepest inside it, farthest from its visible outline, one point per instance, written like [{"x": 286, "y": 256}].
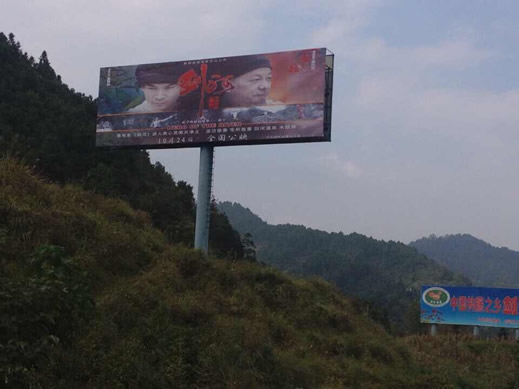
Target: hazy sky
[{"x": 425, "y": 131}]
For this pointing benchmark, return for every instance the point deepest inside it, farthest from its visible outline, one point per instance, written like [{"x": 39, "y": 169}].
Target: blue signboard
[{"x": 492, "y": 307}]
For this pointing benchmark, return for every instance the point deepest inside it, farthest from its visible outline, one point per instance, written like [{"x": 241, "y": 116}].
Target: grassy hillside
[
  {"x": 92, "y": 296},
  {"x": 485, "y": 264},
  {"x": 387, "y": 274}
]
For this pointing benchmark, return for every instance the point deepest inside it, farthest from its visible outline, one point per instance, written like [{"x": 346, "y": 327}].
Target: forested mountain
[
  {"x": 92, "y": 296},
  {"x": 389, "y": 274},
  {"x": 52, "y": 129},
  {"x": 483, "y": 263}
]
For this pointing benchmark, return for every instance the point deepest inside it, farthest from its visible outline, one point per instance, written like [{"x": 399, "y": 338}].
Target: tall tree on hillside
[
  {"x": 44, "y": 67},
  {"x": 51, "y": 128},
  {"x": 249, "y": 248}
]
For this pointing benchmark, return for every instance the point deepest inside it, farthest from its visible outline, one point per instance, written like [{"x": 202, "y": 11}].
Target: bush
[{"x": 39, "y": 313}]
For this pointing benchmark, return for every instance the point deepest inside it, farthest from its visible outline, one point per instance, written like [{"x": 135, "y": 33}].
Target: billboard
[
  {"x": 280, "y": 97},
  {"x": 491, "y": 307}
]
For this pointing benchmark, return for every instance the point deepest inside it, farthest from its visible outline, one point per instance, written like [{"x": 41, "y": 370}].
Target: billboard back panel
[
  {"x": 264, "y": 98},
  {"x": 490, "y": 307}
]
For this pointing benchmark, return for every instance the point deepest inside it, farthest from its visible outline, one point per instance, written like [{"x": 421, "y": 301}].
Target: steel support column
[{"x": 203, "y": 206}]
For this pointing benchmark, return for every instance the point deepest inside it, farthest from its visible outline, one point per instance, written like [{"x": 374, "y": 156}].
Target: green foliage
[
  {"x": 249, "y": 248},
  {"x": 38, "y": 312},
  {"x": 228, "y": 324},
  {"x": 385, "y": 276},
  {"x": 484, "y": 264},
  {"x": 223, "y": 239},
  {"x": 167, "y": 316},
  {"x": 460, "y": 361},
  {"x": 52, "y": 128}
]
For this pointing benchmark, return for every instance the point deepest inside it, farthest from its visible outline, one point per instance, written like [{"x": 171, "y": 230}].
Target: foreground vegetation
[{"x": 92, "y": 296}]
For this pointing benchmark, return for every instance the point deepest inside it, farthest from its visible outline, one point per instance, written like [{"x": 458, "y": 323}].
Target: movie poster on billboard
[{"x": 263, "y": 98}]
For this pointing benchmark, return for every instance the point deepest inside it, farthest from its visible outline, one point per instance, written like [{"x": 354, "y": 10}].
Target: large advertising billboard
[
  {"x": 280, "y": 97},
  {"x": 491, "y": 307}
]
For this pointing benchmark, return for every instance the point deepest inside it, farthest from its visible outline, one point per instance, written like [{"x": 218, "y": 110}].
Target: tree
[
  {"x": 249, "y": 248},
  {"x": 44, "y": 67}
]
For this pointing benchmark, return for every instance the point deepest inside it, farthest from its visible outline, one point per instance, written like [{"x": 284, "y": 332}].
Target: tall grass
[{"x": 169, "y": 317}]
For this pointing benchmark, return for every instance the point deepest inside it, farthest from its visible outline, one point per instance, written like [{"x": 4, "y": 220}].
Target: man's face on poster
[
  {"x": 251, "y": 88},
  {"x": 161, "y": 96}
]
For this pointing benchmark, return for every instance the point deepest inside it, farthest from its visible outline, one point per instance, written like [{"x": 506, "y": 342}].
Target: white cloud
[
  {"x": 346, "y": 168},
  {"x": 398, "y": 88},
  {"x": 402, "y": 104},
  {"x": 345, "y": 34},
  {"x": 455, "y": 54},
  {"x": 85, "y": 35},
  {"x": 347, "y": 17}
]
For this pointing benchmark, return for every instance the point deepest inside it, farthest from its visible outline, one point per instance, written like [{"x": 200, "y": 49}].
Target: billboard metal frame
[
  {"x": 113, "y": 117},
  {"x": 328, "y": 94}
]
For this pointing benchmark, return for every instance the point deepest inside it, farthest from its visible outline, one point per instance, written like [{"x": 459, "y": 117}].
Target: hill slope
[
  {"x": 52, "y": 128},
  {"x": 388, "y": 273},
  {"x": 91, "y": 295},
  {"x": 485, "y": 264}
]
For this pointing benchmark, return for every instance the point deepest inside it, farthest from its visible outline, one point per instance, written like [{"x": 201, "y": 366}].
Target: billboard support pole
[
  {"x": 517, "y": 334},
  {"x": 203, "y": 206},
  {"x": 433, "y": 329},
  {"x": 475, "y": 332}
]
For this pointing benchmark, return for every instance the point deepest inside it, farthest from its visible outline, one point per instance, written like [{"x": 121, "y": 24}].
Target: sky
[{"x": 425, "y": 118}]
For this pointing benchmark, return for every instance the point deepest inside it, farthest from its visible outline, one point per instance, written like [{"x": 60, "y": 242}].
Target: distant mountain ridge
[
  {"x": 484, "y": 264},
  {"x": 387, "y": 273}
]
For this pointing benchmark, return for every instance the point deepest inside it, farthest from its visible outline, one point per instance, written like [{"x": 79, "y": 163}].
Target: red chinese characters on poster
[{"x": 481, "y": 304}]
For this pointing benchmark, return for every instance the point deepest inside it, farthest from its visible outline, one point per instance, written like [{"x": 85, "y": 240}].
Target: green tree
[
  {"x": 52, "y": 128},
  {"x": 249, "y": 248},
  {"x": 40, "y": 312}
]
